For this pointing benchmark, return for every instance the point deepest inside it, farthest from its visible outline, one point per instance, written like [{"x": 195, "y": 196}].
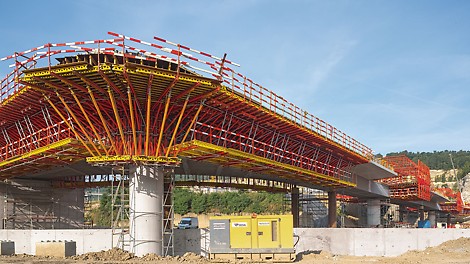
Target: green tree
[
  {"x": 102, "y": 215},
  {"x": 228, "y": 202},
  {"x": 182, "y": 200},
  {"x": 199, "y": 203},
  {"x": 464, "y": 170},
  {"x": 214, "y": 202}
]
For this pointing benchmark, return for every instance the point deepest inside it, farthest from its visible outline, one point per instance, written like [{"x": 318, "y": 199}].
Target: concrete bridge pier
[
  {"x": 332, "y": 209},
  {"x": 146, "y": 191},
  {"x": 432, "y": 218},
  {"x": 373, "y": 213},
  {"x": 295, "y": 205},
  {"x": 401, "y": 213},
  {"x": 421, "y": 213}
]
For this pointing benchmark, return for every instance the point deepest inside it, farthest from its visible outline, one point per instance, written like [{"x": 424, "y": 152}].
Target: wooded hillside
[{"x": 440, "y": 160}]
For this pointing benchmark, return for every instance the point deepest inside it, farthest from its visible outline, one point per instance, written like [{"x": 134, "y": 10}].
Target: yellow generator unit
[{"x": 257, "y": 237}]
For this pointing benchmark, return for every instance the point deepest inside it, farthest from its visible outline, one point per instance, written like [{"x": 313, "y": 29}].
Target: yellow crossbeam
[{"x": 125, "y": 158}]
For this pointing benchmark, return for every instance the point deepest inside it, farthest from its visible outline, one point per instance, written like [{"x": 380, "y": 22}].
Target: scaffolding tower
[{"x": 120, "y": 206}]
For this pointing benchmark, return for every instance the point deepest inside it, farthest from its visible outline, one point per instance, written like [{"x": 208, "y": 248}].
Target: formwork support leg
[
  {"x": 3, "y": 208},
  {"x": 373, "y": 213},
  {"x": 332, "y": 209},
  {"x": 295, "y": 205},
  {"x": 146, "y": 209}
]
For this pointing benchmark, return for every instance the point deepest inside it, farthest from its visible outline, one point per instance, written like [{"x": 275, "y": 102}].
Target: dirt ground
[{"x": 455, "y": 251}]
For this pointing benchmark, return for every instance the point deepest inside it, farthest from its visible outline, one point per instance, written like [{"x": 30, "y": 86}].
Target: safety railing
[
  {"x": 267, "y": 99},
  {"x": 407, "y": 169},
  {"x": 224, "y": 138},
  {"x": 199, "y": 62},
  {"x": 40, "y": 138},
  {"x": 418, "y": 192}
]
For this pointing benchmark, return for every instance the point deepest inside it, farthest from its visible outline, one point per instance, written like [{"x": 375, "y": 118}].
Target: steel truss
[
  {"x": 413, "y": 181},
  {"x": 122, "y": 101},
  {"x": 106, "y": 97}
]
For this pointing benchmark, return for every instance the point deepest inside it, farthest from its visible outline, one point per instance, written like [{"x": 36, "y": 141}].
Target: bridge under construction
[{"x": 74, "y": 113}]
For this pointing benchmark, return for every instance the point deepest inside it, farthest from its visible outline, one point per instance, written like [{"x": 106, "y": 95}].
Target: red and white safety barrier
[
  {"x": 195, "y": 51},
  {"x": 162, "y": 57},
  {"x": 43, "y": 54},
  {"x": 23, "y": 52},
  {"x": 86, "y": 42},
  {"x": 168, "y": 50},
  {"x": 58, "y": 45}
]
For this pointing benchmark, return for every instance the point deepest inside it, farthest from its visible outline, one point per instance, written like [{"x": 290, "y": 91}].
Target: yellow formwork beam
[
  {"x": 125, "y": 158},
  {"x": 196, "y": 144},
  {"x": 84, "y": 67},
  {"x": 37, "y": 151},
  {"x": 79, "y": 66},
  {"x": 12, "y": 97}
]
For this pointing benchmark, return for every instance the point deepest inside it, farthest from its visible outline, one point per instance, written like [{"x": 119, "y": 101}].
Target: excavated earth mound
[{"x": 454, "y": 251}]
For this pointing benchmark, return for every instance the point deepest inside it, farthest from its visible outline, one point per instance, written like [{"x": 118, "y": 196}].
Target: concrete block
[
  {"x": 399, "y": 240},
  {"x": 22, "y": 240},
  {"x": 56, "y": 248},
  {"x": 369, "y": 242},
  {"x": 342, "y": 240},
  {"x": 313, "y": 239},
  {"x": 103, "y": 243},
  {"x": 71, "y": 235},
  {"x": 7, "y": 247},
  {"x": 187, "y": 240}
]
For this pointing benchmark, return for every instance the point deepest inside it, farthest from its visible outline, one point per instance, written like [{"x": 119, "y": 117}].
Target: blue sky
[{"x": 393, "y": 74}]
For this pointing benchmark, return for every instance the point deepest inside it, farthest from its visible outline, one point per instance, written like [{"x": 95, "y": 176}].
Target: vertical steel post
[
  {"x": 295, "y": 205},
  {"x": 332, "y": 209}
]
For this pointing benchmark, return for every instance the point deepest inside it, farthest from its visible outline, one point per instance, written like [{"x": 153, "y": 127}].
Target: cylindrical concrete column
[
  {"x": 401, "y": 213},
  {"x": 421, "y": 213},
  {"x": 373, "y": 213},
  {"x": 432, "y": 218},
  {"x": 295, "y": 205},
  {"x": 146, "y": 207},
  {"x": 332, "y": 209}
]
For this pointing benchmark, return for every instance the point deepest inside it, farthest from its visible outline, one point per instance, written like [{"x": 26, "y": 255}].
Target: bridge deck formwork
[{"x": 127, "y": 102}]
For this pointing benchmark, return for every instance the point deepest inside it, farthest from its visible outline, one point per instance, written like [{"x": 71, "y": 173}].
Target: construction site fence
[{"x": 201, "y": 63}]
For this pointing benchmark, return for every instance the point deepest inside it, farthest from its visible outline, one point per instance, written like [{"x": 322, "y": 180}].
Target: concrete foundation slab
[
  {"x": 386, "y": 242},
  {"x": 338, "y": 241},
  {"x": 59, "y": 249}
]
